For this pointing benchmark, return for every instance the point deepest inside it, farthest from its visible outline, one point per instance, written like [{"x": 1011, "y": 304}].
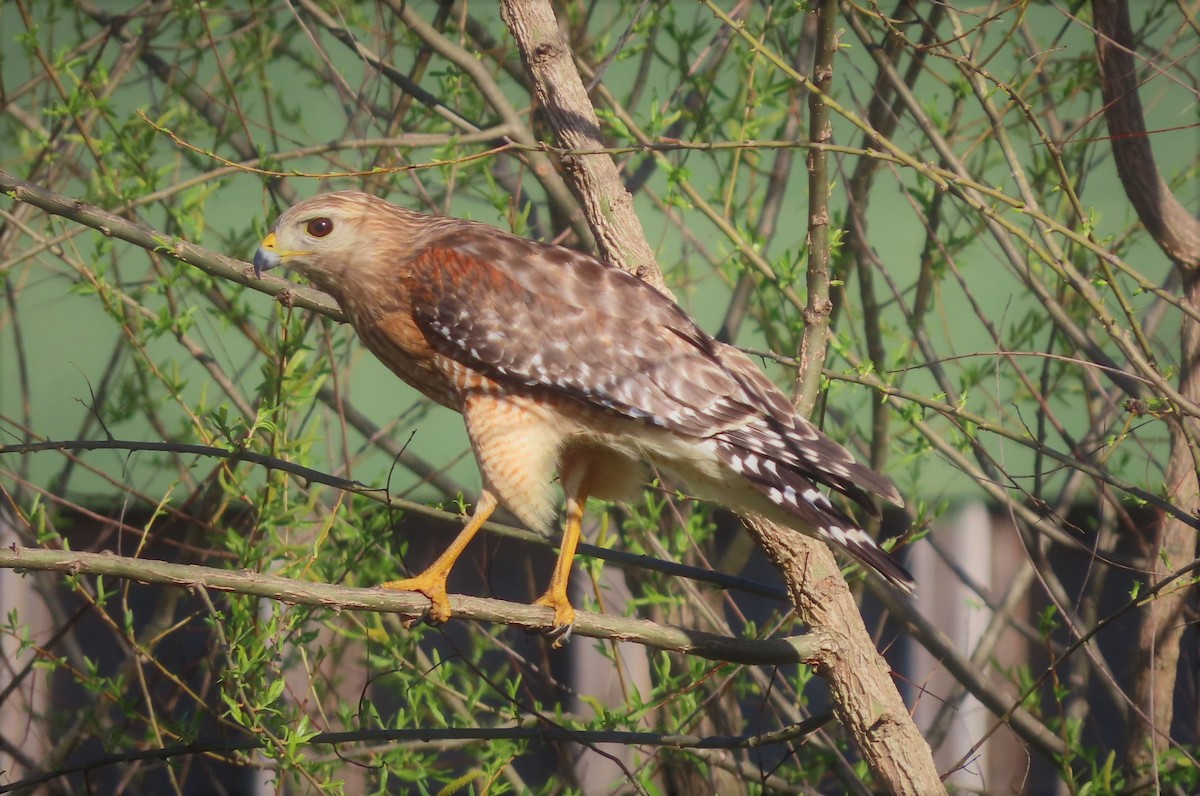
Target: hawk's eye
[{"x": 319, "y": 227}]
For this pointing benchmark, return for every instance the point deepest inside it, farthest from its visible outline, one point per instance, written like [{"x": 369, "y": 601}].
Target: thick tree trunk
[
  {"x": 865, "y": 698},
  {"x": 1163, "y": 623},
  {"x": 1177, "y": 232}
]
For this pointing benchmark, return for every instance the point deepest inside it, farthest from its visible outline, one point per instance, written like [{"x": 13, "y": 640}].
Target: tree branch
[
  {"x": 148, "y": 238},
  {"x": 310, "y": 475},
  {"x": 540, "y": 732},
  {"x": 413, "y": 606},
  {"x": 1175, "y": 229},
  {"x": 606, "y": 204},
  {"x": 1177, "y": 232},
  {"x": 818, "y": 308}
]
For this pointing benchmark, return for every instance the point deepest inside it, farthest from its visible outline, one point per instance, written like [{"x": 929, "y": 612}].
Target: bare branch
[
  {"x": 1173, "y": 227},
  {"x": 413, "y": 606},
  {"x": 606, "y": 204}
]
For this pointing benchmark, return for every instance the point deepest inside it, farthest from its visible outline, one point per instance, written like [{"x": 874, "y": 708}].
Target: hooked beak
[{"x": 266, "y": 257}]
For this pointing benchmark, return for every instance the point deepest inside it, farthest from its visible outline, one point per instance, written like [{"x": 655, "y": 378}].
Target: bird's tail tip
[{"x": 863, "y": 548}]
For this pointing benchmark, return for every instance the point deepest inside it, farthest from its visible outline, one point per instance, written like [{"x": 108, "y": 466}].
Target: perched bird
[{"x": 562, "y": 363}]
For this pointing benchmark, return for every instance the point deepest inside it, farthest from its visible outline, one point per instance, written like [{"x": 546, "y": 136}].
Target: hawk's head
[{"x": 334, "y": 237}]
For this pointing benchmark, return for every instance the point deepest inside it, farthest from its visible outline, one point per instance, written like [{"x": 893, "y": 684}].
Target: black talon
[
  {"x": 560, "y": 636},
  {"x": 425, "y": 617}
]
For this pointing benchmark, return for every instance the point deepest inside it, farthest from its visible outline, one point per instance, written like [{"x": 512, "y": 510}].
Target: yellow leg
[
  {"x": 556, "y": 595},
  {"x": 432, "y": 582}
]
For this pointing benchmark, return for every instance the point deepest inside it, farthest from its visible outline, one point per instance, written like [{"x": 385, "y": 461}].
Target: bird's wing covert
[{"x": 552, "y": 319}]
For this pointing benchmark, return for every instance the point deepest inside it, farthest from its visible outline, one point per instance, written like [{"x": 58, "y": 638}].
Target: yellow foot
[
  {"x": 432, "y": 587},
  {"x": 564, "y": 616}
]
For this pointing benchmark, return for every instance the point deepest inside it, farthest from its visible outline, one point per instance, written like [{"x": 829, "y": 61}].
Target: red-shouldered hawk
[{"x": 562, "y": 363}]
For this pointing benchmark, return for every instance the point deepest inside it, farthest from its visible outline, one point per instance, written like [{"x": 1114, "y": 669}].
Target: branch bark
[
  {"x": 413, "y": 606},
  {"x": 148, "y": 238},
  {"x": 865, "y": 698},
  {"x": 560, "y": 91},
  {"x": 1177, "y": 232},
  {"x": 819, "y": 307},
  {"x": 1174, "y": 229}
]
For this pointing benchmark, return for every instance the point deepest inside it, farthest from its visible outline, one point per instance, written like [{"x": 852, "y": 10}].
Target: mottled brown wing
[
  {"x": 554, "y": 320},
  {"x": 551, "y": 319}
]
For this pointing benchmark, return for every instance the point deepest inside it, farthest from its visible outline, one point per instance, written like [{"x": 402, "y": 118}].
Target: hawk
[{"x": 561, "y": 363}]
